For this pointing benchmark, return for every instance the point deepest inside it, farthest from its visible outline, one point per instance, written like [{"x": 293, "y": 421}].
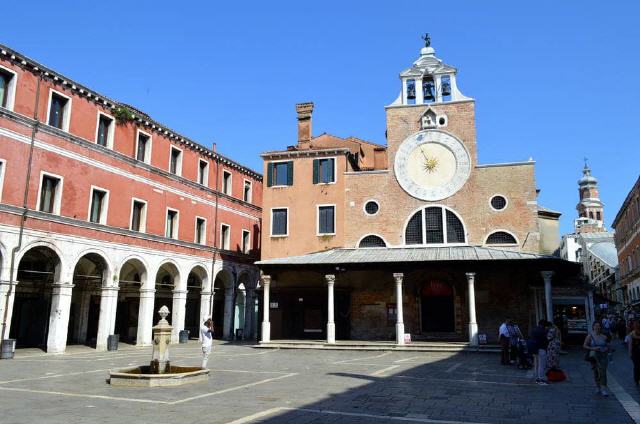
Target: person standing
[
  {"x": 503, "y": 335},
  {"x": 540, "y": 342},
  {"x": 515, "y": 335},
  {"x": 553, "y": 349},
  {"x": 634, "y": 351},
  {"x": 206, "y": 334},
  {"x": 598, "y": 346}
]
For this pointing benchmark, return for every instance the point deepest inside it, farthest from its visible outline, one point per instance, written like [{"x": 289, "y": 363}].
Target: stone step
[{"x": 421, "y": 347}]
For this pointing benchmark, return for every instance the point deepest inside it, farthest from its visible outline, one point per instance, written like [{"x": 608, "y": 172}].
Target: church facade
[{"x": 415, "y": 237}]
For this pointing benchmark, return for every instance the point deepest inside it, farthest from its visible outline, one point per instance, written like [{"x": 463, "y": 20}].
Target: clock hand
[{"x": 423, "y": 154}]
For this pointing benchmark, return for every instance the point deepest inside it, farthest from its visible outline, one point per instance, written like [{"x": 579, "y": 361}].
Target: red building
[{"x": 106, "y": 214}]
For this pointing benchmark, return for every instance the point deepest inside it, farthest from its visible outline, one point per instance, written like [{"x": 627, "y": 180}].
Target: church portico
[{"x": 454, "y": 300}]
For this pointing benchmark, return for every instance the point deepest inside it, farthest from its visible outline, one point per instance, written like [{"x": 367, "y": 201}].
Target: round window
[
  {"x": 371, "y": 207},
  {"x": 498, "y": 202}
]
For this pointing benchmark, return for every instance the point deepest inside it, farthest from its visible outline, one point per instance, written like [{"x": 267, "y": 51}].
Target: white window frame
[
  {"x": 250, "y": 199},
  {"x": 205, "y": 179},
  {"x": 271, "y": 222},
  {"x": 248, "y": 249},
  {"x": 176, "y": 228},
  {"x": 280, "y": 161},
  {"x": 147, "y": 153},
  {"x": 112, "y": 129},
  {"x": 143, "y": 216},
  {"x": 179, "y": 164},
  {"x": 204, "y": 231},
  {"x": 228, "y": 239},
  {"x": 335, "y": 170},
  {"x": 11, "y": 89},
  {"x": 67, "y": 109},
  {"x": 230, "y": 193},
  {"x": 506, "y": 199},
  {"x": 3, "y": 170},
  {"x": 103, "y": 216},
  {"x": 57, "y": 203},
  {"x": 501, "y": 230},
  {"x": 364, "y": 208},
  {"x": 318, "y": 233}
]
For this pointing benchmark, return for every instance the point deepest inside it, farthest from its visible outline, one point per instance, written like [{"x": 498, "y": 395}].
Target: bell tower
[
  {"x": 430, "y": 100},
  {"x": 590, "y": 208}
]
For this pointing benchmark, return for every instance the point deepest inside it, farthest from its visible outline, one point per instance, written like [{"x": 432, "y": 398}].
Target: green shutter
[
  {"x": 290, "y": 173},
  {"x": 269, "y": 174},
  {"x": 332, "y": 165},
  {"x": 316, "y": 171}
]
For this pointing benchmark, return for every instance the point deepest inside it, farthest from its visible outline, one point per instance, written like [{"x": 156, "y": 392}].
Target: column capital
[
  {"x": 110, "y": 289},
  {"x": 398, "y": 276},
  {"x": 63, "y": 285},
  {"x": 546, "y": 275},
  {"x": 330, "y": 278},
  {"x": 147, "y": 291},
  {"x": 265, "y": 279},
  {"x": 205, "y": 293},
  {"x": 470, "y": 275},
  {"x": 179, "y": 292}
]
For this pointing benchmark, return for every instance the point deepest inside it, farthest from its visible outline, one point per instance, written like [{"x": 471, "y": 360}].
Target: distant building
[
  {"x": 627, "y": 239},
  {"x": 593, "y": 246}
]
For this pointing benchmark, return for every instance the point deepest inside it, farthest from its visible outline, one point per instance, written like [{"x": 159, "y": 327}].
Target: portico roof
[{"x": 406, "y": 254}]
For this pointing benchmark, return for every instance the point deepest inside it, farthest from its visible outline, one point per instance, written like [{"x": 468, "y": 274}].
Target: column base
[
  {"x": 331, "y": 332},
  {"x": 400, "y": 333},
  {"x": 266, "y": 331},
  {"x": 473, "y": 334}
]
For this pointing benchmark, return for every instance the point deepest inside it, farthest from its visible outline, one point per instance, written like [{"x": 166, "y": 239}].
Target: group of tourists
[{"x": 543, "y": 346}]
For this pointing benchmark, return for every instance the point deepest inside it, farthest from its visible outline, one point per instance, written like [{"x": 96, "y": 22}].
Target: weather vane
[{"x": 427, "y": 40}]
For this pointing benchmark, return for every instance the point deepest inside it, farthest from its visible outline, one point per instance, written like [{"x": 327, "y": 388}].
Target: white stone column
[
  {"x": 473, "y": 324},
  {"x": 398, "y": 276},
  {"x": 419, "y": 91},
  {"x": 331, "y": 326},
  {"x": 4, "y": 293},
  {"x": 266, "y": 325},
  {"x": 145, "y": 317},
  {"x": 177, "y": 314},
  {"x": 437, "y": 82},
  {"x": 107, "y": 319},
  {"x": 229, "y": 310},
  {"x": 548, "y": 300},
  {"x": 59, "y": 317}
]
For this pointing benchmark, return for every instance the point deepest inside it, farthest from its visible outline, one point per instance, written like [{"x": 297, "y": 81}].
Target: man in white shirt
[{"x": 206, "y": 334}]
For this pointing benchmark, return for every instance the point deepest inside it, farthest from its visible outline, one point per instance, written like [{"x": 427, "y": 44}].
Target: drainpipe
[
  {"x": 25, "y": 208},
  {"x": 215, "y": 227}
]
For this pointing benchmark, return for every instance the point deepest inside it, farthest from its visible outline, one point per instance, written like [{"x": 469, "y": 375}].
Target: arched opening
[
  {"x": 372, "y": 241},
  {"x": 89, "y": 275},
  {"x": 501, "y": 237},
  {"x": 133, "y": 274},
  {"x": 437, "y": 307},
  {"x": 38, "y": 269},
  {"x": 434, "y": 225},
  {"x": 167, "y": 279},
  {"x": 222, "y": 303},
  {"x": 196, "y": 280}
]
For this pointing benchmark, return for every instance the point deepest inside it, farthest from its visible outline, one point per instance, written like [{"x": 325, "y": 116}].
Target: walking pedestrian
[
  {"x": 503, "y": 335},
  {"x": 634, "y": 351},
  {"x": 206, "y": 334},
  {"x": 540, "y": 342},
  {"x": 515, "y": 335},
  {"x": 622, "y": 329},
  {"x": 598, "y": 346}
]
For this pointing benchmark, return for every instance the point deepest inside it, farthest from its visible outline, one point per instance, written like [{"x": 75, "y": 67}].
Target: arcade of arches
[{"x": 52, "y": 304}]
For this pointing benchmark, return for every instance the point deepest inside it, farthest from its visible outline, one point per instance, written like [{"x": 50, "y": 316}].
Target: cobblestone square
[{"x": 250, "y": 385}]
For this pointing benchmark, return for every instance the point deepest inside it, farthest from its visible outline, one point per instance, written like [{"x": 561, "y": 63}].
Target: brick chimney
[{"x": 304, "y": 111}]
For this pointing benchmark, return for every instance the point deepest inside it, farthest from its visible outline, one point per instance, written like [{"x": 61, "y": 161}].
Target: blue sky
[{"x": 557, "y": 81}]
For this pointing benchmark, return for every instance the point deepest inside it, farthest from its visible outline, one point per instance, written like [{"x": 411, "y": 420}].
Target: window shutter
[
  {"x": 316, "y": 171},
  {"x": 290, "y": 173},
  {"x": 269, "y": 174},
  {"x": 332, "y": 165}
]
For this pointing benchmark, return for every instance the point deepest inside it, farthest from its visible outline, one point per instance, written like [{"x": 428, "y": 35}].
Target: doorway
[{"x": 437, "y": 308}]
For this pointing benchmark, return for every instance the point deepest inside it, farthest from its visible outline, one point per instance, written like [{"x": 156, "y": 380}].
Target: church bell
[
  {"x": 446, "y": 89},
  {"x": 427, "y": 88}
]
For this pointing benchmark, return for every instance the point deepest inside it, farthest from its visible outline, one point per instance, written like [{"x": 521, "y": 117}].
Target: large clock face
[{"x": 432, "y": 165}]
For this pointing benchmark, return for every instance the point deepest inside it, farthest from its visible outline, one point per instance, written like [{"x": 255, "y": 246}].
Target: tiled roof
[{"x": 404, "y": 254}]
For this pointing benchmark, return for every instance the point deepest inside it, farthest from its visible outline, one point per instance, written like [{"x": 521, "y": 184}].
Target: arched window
[
  {"x": 501, "y": 237},
  {"x": 434, "y": 225},
  {"x": 372, "y": 241}
]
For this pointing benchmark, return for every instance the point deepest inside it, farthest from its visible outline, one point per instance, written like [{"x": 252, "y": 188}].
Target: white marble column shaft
[
  {"x": 107, "y": 318},
  {"x": 473, "y": 324},
  {"x": 331, "y": 326},
  {"x": 59, "y": 317},
  {"x": 178, "y": 313},
  {"x": 266, "y": 325},
  {"x": 145, "y": 317},
  {"x": 398, "y": 277},
  {"x": 548, "y": 299}
]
